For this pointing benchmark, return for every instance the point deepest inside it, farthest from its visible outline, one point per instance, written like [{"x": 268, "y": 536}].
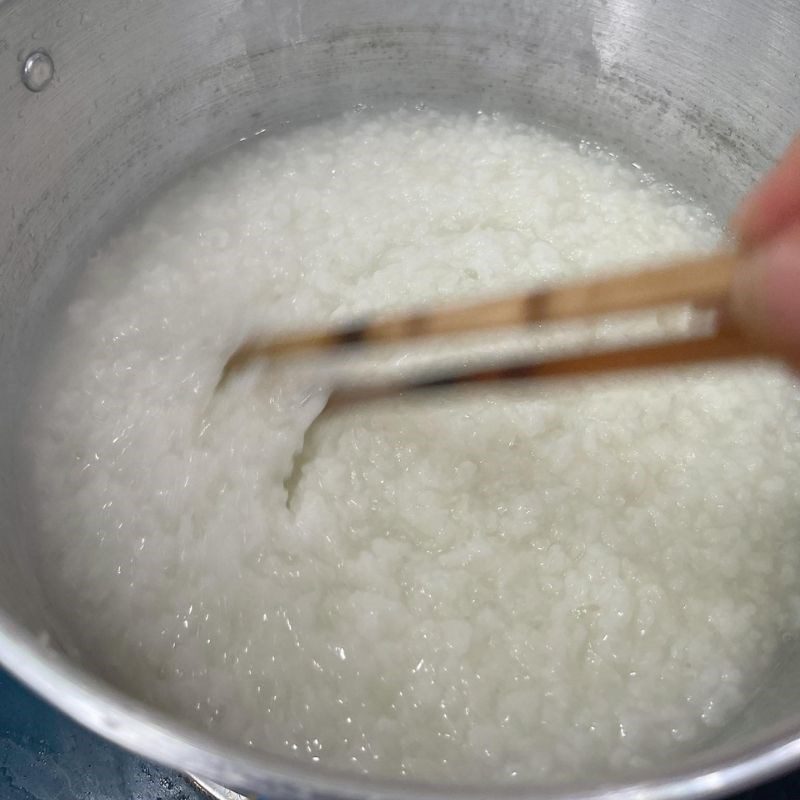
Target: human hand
[{"x": 766, "y": 292}]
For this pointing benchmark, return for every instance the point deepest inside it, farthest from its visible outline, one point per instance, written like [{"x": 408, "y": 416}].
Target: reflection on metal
[
  {"x": 38, "y": 71},
  {"x": 217, "y": 792}
]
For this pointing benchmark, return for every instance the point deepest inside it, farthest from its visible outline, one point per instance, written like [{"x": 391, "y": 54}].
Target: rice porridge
[{"x": 538, "y": 583}]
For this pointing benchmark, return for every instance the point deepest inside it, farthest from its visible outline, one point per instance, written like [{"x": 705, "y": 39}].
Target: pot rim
[{"x": 143, "y": 730}]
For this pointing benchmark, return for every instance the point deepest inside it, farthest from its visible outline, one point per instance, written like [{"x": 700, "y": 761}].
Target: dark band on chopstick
[
  {"x": 535, "y": 306},
  {"x": 351, "y": 335}
]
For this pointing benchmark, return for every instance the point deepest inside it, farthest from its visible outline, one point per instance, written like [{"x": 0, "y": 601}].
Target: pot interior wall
[{"x": 702, "y": 93}]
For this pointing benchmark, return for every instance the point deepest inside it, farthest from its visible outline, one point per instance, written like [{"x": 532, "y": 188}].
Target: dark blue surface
[{"x": 45, "y": 756}]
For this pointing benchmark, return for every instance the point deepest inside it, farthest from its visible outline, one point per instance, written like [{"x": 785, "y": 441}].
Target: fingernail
[{"x": 765, "y": 296}]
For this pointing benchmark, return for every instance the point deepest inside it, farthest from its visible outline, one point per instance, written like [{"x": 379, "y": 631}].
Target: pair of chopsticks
[{"x": 702, "y": 282}]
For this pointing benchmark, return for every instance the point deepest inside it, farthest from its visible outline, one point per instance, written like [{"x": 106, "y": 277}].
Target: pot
[{"x": 103, "y": 102}]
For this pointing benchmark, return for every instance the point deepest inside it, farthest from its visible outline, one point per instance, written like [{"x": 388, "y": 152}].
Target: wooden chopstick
[
  {"x": 700, "y": 281},
  {"x": 724, "y": 345}
]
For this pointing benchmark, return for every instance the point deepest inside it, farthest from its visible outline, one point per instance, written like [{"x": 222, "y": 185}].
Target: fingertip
[
  {"x": 765, "y": 297},
  {"x": 773, "y": 205}
]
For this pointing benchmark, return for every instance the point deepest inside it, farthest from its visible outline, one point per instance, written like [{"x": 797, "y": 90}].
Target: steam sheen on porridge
[{"x": 526, "y": 584}]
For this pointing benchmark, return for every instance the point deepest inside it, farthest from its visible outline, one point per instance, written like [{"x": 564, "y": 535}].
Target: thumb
[{"x": 765, "y": 297}]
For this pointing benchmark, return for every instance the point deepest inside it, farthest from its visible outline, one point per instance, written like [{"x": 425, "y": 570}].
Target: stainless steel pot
[{"x": 127, "y": 94}]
